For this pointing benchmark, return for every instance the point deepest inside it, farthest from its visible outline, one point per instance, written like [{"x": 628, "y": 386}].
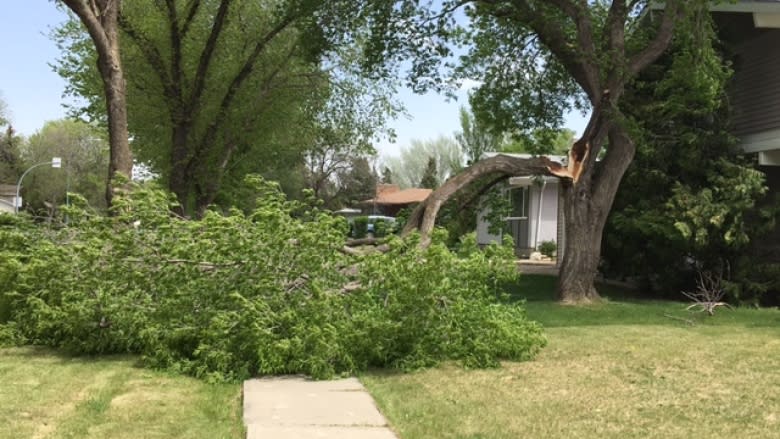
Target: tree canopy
[
  {"x": 229, "y": 87},
  {"x": 409, "y": 167},
  {"x": 474, "y": 138},
  {"x": 10, "y": 161},
  {"x": 536, "y": 60}
]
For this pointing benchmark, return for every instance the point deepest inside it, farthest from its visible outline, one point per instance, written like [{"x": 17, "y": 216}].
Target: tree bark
[
  {"x": 582, "y": 247},
  {"x": 180, "y": 182},
  {"x": 586, "y": 208},
  {"x": 121, "y": 159},
  {"x": 100, "y": 17}
]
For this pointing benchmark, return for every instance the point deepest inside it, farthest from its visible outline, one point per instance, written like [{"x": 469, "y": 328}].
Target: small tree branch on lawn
[{"x": 709, "y": 291}]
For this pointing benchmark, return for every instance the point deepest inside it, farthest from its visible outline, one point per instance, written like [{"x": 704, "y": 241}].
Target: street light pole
[{"x": 55, "y": 162}]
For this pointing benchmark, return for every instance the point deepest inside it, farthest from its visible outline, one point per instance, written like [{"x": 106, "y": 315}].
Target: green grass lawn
[
  {"x": 47, "y": 395},
  {"x": 619, "y": 369}
]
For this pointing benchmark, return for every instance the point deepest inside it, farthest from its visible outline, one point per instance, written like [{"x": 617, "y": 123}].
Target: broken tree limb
[
  {"x": 204, "y": 265},
  {"x": 351, "y": 251},
  {"x": 423, "y": 217},
  {"x": 363, "y": 241},
  {"x": 472, "y": 200}
]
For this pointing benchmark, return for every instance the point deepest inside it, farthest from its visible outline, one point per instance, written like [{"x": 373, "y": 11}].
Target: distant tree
[
  {"x": 85, "y": 154},
  {"x": 357, "y": 183},
  {"x": 9, "y": 148},
  {"x": 326, "y": 162},
  {"x": 342, "y": 138},
  {"x": 4, "y": 118},
  {"x": 387, "y": 175},
  {"x": 474, "y": 138},
  {"x": 408, "y": 169},
  {"x": 10, "y": 163},
  {"x": 429, "y": 179},
  {"x": 221, "y": 89}
]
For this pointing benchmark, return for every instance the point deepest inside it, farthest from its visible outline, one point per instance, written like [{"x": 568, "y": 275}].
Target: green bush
[
  {"x": 548, "y": 248},
  {"x": 359, "y": 227},
  {"x": 381, "y": 227},
  {"x": 449, "y": 307},
  {"x": 18, "y": 236},
  {"x": 239, "y": 295}
]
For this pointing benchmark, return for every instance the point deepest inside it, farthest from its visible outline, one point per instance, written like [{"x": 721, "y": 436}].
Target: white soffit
[
  {"x": 758, "y": 7},
  {"x": 766, "y": 20},
  {"x": 769, "y": 158},
  {"x": 763, "y": 141},
  {"x": 520, "y": 181}
]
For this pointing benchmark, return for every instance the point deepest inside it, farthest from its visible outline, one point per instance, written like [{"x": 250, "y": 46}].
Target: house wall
[
  {"x": 756, "y": 87},
  {"x": 484, "y": 237},
  {"x": 771, "y": 244},
  {"x": 548, "y": 230},
  {"x": 6, "y": 206},
  {"x": 754, "y": 90}
]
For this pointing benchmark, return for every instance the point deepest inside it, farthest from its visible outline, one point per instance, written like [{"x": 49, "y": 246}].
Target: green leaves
[
  {"x": 431, "y": 305},
  {"x": 717, "y": 211},
  {"x": 238, "y": 295},
  {"x": 689, "y": 200}
]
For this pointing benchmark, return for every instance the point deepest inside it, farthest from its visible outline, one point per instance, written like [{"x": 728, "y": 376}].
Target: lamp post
[{"x": 55, "y": 162}]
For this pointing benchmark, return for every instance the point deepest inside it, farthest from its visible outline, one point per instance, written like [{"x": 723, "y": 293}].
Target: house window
[
  {"x": 519, "y": 198},
  {"x": 517, "y": 223}
]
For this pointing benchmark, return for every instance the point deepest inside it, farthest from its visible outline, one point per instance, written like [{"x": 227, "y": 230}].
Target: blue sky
[{"x": 33, "y": 92}]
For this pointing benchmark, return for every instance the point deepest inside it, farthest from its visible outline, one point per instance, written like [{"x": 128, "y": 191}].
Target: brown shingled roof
[{"x": 406, "y": 196}]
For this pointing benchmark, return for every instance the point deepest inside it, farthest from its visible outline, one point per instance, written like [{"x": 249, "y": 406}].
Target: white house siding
[
  {"x": 548, "y": 227},
  {"x": 484, "y": 237},
  {"x": 6, "y": 206}
]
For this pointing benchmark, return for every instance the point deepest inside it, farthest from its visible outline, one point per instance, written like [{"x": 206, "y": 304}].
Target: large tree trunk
[
  {"x": 121, "y": 159},
  {"x": 582, "y": 248},
  {"x": 586, "y": 208},
  {"x": 100, "y": 17},
  {"x": 180, "y": 181}
]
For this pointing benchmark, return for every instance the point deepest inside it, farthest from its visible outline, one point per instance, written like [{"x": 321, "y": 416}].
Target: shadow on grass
[
  {"x": 65, "y": 357},
  {"x": 626, "y": 307}
]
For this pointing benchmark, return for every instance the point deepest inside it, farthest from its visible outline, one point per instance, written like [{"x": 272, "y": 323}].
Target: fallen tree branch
[
  {"x": 423, "y": 217},
  {"x": 686, "y": 321},
  {"x": 363, "y": 241},
  {"x": 202, "y": 264},
  {"x": 351, "y": 251},
  {"x": 383, "y": 248}
]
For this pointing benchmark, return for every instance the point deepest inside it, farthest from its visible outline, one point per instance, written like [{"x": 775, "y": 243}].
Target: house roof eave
[{"x": 754, "y": 6}]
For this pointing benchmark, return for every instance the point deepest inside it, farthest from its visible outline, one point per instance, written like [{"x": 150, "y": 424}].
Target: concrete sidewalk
[{"x": 297, "y": 408}]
